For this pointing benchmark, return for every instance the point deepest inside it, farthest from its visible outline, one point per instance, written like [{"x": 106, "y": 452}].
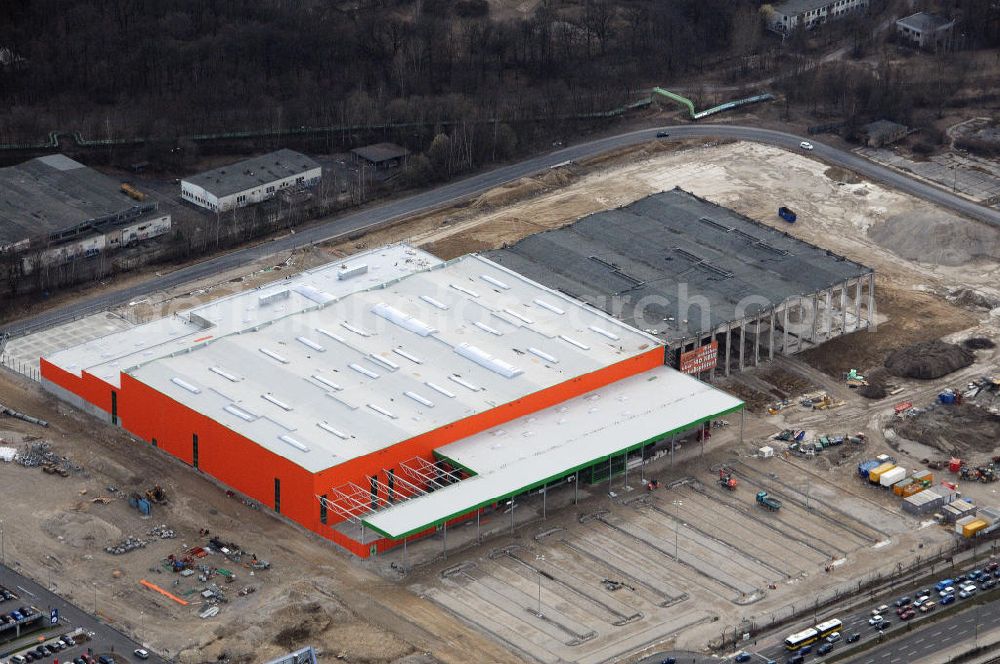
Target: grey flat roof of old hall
[
  {"x": 641, "y": 262},
  {"x": 55, "y": 196},
  {"x": 253, "y": 172}
]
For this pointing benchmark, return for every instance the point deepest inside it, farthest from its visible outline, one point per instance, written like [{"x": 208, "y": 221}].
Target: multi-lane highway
[{"x": 459, "y": 190}]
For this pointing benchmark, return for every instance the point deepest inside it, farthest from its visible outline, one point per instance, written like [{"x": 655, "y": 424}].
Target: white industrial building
[
  {"x": 792, "y": 14},
  {"x": 55, "y": 210},
  {"x": 250, "y": 181}
]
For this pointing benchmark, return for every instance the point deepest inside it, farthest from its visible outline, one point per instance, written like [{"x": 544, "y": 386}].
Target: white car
[
  {"x": 920, "y": 601},
  {"x": 950, "y": 590},
  {"x": 806, "y": 145},
  {"x": 833, "y": 638},
  {"x": 140, "y": 653},
  {"x": 875, "y": 620},
  {"x": 967, "y": 591}
]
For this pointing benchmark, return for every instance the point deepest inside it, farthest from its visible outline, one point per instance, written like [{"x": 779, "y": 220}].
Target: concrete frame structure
[
  {"x": 925, "y": 30},
  {"x": 795, "y": 325},
  {"x": 250, "y": 181},
  {"x": 800, "y": 295}
]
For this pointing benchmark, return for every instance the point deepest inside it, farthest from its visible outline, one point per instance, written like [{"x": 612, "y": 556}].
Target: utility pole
[{"x": 539, "y": 570}]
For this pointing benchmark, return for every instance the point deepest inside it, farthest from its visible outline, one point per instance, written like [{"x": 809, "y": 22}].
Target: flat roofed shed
[
  {"x": 254, "y": 172},
  {"x": 676, "y": 265}
]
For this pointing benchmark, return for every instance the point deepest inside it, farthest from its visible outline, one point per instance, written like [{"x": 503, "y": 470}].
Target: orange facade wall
[
  {"x": 222, "y": 453},
  {"x": 92, "y": 389}
]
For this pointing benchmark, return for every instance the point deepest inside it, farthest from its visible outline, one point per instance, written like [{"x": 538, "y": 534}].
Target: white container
[{"x": 890, "y": 477}]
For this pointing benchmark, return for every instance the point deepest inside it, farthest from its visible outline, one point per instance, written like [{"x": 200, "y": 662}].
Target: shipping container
[
  {"x": 899, "y": 487},
  {"x": 970, "y": 529},
  {"x": 891, "y": 476},
  {"x": 876, "y": 473},
  {"x": 866, "y": 467},
  {"x": 913, "y": 489},
  {"x": 925, "y": 477},
  {"x": 962, "y": 522}
]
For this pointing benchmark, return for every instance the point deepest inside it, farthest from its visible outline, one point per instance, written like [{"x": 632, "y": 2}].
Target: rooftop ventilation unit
[
  {"x": 332, "y": 335},
  {"x": 361, "y": 370},
  {"x": 326, "y": 381},
  {"x": 715, "y": 224},
  {"x": 294, "y": 443},
  {"x": 523, "y": 319},
  {"x": 464, "y": 383},
  {"x": 605, "y": 333},
  {"x": 348, "y": 271},
  {"x": 336, "y": 432},
  {"x": 493, "y": 280},
  {"x": 310, "y": 343},
  {"x": 240, "y": 413},
  {"x": 484, "y": 359},
  {"x": 381, "y": 411},
  {"x": 180, "y": 382},
  {"x": 385, "y": 362},
  {"x": 551, "y": 307},
  {"x": 542, "y": 354},
  {"x": 277, "y": 402},
  {"x": 419, "y": 399},
  {"x": 274, "y": 356},
  {"x": 486, "y": 328},
  {"x": 434, "y": 303},
  {"x": 225, "y": 374},
  {"x": 574, "y": 342},
  {"x": 441, "y": 390},
  {"x": 467, "y": 291},
  {"x": 410, "y": 356},
  {"x": 402, "y": 319},
  {"x": 355, "y": 330}
]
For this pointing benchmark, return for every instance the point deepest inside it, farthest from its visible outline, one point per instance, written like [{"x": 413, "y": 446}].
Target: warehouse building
[
  {"x": 791, "y": 14},
  {"x": 381, "y": 156},
  {"x": 58, "y": 210},
  {"x": 251, "y": 181},
  {"x": 375, "y": 400},
  {"x": 717, "y": 287}
]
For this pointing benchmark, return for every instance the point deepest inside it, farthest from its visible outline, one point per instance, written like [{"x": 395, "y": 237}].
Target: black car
[
  {"x": 902, "y": 601},
  {"x": 851, "y": 638},
  {"x": 662, "y": 134},
  {"x": 798, "y": 658},
  {"x": 824, "y": 649}
]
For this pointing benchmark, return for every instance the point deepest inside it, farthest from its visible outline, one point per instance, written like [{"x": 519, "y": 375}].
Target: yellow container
[
  {"x": 876, "y": 473},
  {"x": 973, "y": 527}
]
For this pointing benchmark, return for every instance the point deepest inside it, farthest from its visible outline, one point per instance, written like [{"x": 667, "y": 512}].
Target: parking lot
[{"x": 680, "y": 564}]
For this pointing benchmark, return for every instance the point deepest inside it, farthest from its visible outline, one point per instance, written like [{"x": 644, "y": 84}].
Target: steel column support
[
  {"x": 743, "y": 417},
  {"x": 828, "y": 313},
  {"x": 743, "y": 342},
  {"x": 815, "y": 317},
  {"x": 784, "y": 341},
  {"x": 857, "y": 303}
]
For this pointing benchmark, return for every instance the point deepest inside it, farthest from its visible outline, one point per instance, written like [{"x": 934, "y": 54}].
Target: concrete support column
[
  {"x": 871, "y": 302},
  {"x": 743, "y": 342},
  {"x": 828, "y": 313},
  {"x": 784, "y": 340},
  {"x": 729, "y": 343},
  {"x": 857, "y": 304},
  {"x": 815, "y": 317},
  {"x": 756, "y": 342},
  {"x": 770, "y": 340},
  {"x": 843, "y": 308}
]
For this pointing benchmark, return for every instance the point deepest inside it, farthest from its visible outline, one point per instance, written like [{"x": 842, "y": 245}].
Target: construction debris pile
[
  {"x": 978, "y": 343},
  {"x": 799, "y": 446},
  {"x": 39, "y": 454},
  {"x": 929, "y": 359},
  {"x": 162, "y": 532},
  {"x": 126, "y": 545},
  {"x": 959, "y": 423}
]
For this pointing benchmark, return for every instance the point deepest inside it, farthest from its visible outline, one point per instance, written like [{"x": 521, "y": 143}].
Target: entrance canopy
[{"x": 537, "y": 449}]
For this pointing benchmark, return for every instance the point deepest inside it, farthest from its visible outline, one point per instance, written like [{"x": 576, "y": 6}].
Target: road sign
[{"x": 54, "y": 617}]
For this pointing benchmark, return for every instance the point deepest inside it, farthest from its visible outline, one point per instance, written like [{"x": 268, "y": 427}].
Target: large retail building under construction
[{"x": 383, "y": 397}]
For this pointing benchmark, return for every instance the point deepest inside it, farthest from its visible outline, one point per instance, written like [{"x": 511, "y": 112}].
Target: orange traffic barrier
[{"x": 153, "y": 586}]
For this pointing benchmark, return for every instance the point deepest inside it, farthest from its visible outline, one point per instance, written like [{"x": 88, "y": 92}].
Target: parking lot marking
[
  {"x": 953, "y": 627},
  {"x": 25, "y": 590}
]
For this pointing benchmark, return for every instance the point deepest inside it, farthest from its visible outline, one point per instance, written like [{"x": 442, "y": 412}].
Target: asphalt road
[
  {"x": 471, "y": 186},
  {"x": 962, "y": 628},
  {"x": 945, "y": 632},
  {"x": 70, "y": 617}
]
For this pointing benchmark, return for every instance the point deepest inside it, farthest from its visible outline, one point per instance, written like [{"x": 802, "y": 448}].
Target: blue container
[{"x": 947, "y": 398}]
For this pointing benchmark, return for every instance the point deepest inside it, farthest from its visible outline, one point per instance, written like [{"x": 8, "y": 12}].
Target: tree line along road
[{"x": 453, "y": 192}]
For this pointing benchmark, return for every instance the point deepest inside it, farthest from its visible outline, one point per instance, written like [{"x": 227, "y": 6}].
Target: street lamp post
[
  {"x": 539, "y": 570},
  {"x": 677, "y": 523}
]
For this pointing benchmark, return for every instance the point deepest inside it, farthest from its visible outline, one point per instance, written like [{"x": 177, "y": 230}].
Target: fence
[{"x": 26, "y": 369}]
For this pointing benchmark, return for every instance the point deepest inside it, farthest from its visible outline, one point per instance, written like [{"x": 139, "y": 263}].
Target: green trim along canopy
[{"x": 537, "y": 449}]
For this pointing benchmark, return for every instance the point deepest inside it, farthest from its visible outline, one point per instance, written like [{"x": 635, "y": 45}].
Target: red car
[
  {"x": 906, "y": 615},
  {"x": 903, "y": 609}
]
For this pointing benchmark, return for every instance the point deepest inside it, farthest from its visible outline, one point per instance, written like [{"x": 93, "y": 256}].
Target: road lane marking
[
  {"x": 25, "y": 590},
  {"x": 953, "y": 627}
]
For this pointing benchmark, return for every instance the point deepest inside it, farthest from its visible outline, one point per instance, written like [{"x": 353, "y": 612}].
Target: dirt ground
[
  {"x": 313, "y": 594},
  {"x": 956, "y": 431}
]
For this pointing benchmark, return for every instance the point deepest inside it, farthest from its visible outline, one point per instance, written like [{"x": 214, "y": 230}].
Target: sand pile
[
  {"x": 81, "y": 530},
  {"x": 937, "y": 238},
  {"x": 966, "y": 297},
  {"x": 930, "y": 359}
]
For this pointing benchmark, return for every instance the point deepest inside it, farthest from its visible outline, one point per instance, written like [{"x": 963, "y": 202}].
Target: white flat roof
[
  {"x": 536, "y": 449},
  {"x": 320, "y": 383},
  {"x": 107, "y": 356}
]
